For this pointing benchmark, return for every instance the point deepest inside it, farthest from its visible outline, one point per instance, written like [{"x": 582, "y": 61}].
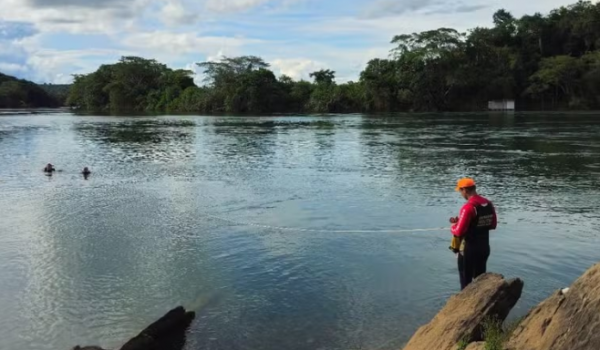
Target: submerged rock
[
  {"x": 568, "y": 320},
  {"x": 168, "y": 333},
  {"x": 489, "y": 296}
]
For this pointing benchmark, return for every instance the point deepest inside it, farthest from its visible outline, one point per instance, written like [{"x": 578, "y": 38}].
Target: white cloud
[
  {"x": 12, "y": 68},
  {"x": 385, "y": 8},
  {"x": 57, "y": 66},
  {"x": 390, "y": 8},
  {"x": 296, "y": 68},
  {"x": 169, "y": 44},
  {"x": 336, "y": 34},
  {"x": 73, "y": 17},
  {"x": 233, "y": 5},
  {"x": 27, "y": 58},
  {"x": 73, "y": 3},
  {"x": 176, "y": 13}
]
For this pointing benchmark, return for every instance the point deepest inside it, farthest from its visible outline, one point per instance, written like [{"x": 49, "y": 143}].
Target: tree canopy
[
  {"x": 542, "y": 61},
  {"x": 18, "y": 93}
]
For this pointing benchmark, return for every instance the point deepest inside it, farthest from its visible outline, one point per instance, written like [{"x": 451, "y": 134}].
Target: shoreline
[
  {"x": 473, "y": 319},
  {"x": 38, "y": 111}
]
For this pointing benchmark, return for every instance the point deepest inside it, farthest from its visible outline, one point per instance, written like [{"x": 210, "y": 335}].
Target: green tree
[
  {"x": 541, "y": 60},
  {"x": 429, "y": 44},
  {"x": 558, "y": 77},
  {"x": 381, "y": 85},
  {"x": 323, "y": 76},
  {"x": 18, "y": 93}
]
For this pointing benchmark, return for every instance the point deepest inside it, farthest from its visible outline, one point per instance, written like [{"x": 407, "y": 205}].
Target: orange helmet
[{"x": 465, "y": 182}]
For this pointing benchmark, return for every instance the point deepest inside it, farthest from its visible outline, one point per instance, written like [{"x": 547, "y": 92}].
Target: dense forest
[
  {"x": 542, "y": 61},
  {"x": 60, "y": 92},
  {"x": 17, "y": 93}
]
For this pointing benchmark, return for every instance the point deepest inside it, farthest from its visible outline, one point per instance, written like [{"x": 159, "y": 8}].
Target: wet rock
[
  {"x": 568, "y": 320},
  {"x": 489, "y": 296}
]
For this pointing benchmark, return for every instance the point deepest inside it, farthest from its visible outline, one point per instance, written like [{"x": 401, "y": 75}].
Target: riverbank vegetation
[
  {"x": 542, "y": 61},
  {"x": 18, "y": 93}
]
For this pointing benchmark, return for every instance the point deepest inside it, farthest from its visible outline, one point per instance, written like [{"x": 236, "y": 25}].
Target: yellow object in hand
[{"x": 456, "y": 244}]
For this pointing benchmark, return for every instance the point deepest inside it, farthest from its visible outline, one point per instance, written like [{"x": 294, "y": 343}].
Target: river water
[{"x": 185, "y": 209}]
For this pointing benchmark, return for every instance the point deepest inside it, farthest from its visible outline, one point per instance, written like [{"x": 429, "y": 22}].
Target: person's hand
[{"x": 453, "y": 220}]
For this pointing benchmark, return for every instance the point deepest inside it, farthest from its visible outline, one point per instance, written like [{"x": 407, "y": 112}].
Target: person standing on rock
[{"x": 471, "y": 232}]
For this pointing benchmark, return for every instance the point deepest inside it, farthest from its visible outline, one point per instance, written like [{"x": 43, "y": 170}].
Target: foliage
[
  {"x": 496, "y": 335},
  {"x": 541, "y": 61},
  {"x": 463, "y": 344},
  {"x": 17, "y": 93},
  {"x": 59, "y": 92},
  {"x": 132, "y": 84},
  {"x": 493, "y": 334},
  {"x": 323, "y": 77}
]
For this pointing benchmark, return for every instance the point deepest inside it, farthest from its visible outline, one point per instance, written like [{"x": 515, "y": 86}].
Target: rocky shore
[{"x": 471, "y": 320}]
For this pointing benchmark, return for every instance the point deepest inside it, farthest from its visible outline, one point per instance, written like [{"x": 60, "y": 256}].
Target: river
[{"x": 189, "y": 209}]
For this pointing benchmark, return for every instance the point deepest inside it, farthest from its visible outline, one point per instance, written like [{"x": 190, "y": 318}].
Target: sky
[{"x": 48, "y": 41}]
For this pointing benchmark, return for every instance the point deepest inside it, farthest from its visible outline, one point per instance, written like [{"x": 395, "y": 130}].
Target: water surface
[{"x": 180, "y": 210}]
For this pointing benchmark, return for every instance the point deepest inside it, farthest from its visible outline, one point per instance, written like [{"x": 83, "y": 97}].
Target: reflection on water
[
  {"x": 163, "y": 140},
  {"x": 93, "y": 262}
]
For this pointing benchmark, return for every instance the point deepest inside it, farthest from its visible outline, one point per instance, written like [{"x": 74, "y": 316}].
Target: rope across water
[{"x": 298, "y": 229}]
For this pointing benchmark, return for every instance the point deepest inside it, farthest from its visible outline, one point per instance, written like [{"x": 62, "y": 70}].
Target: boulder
[
  {"x": 568, "y": 320},
  {"x": 167, "y": 333},
  {"x": 489, "y": 296}
]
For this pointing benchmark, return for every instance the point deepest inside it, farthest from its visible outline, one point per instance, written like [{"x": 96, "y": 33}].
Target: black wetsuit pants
[{"x": 472, "y": 262}]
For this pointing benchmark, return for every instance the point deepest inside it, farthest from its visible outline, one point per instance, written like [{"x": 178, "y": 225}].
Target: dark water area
[{"x": 186, "y": 209}]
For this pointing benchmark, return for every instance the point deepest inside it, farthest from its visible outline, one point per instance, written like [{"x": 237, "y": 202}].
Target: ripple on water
[{"x": 93, "y": 262}]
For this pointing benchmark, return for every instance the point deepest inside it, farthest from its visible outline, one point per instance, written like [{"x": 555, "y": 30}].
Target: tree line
[
  {"x": 18, "y": 93},
  {"x": 542, "y": 61}
]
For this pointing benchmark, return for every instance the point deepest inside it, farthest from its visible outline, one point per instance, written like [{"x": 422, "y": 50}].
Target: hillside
[
  {"x": 60, "y": 92},
  {"x": 18, "y": 93}
]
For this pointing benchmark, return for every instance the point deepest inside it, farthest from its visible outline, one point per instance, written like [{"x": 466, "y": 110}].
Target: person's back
[{"x": 482, "y": 221}]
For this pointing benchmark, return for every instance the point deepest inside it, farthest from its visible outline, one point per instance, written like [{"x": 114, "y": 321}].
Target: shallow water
[{"x": 166, "y": 219}]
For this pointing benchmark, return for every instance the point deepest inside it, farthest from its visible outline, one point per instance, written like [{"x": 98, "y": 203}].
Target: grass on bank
[{"x": 495, "y": 335}]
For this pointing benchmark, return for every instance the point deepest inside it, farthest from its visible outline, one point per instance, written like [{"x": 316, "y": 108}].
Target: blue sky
[{"x": 49, "y": 40}]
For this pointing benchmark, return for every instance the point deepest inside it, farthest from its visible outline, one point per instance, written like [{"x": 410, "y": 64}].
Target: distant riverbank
[
  {"x": 29, "y": 111},
  {"x": 542, "y": 62}
]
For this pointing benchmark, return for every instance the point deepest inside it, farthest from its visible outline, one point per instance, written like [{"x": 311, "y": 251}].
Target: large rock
[
  {"x": 568, "y": 320},
  {"x": 462, "y": 318},
  {"x": 168, "y": 333}
]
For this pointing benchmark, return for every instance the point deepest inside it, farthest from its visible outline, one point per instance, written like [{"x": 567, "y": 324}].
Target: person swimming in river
[
  {"x": 49, "y": 169},
  {"x": 86, "y": 173}
]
